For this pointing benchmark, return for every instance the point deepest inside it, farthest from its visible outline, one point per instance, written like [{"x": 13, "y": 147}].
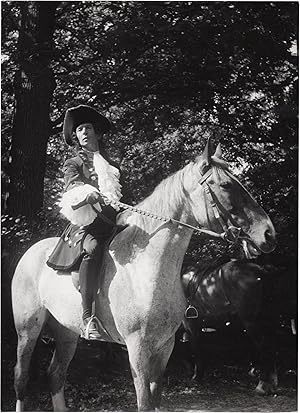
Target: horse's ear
[
  {"x": 205, "y": 158},
  {"x": 208, "y": 150},
  {"x": 218, "y": 153}
]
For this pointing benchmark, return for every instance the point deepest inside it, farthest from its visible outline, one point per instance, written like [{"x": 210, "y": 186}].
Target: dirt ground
[{"x": 99, "y": 380}]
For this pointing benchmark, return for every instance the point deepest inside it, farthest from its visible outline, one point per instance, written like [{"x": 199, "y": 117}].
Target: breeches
[{"x": 92, "y": 248}]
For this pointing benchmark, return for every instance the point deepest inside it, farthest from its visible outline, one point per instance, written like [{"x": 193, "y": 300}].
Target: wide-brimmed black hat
[{"x": 83, "y": 114}]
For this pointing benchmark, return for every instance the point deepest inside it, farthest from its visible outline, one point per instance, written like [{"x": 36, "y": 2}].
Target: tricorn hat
[{"x": 83, "y": 114}]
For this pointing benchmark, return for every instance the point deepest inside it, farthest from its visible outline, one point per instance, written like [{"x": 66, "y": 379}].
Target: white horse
[{"x": 140, "y": 301}]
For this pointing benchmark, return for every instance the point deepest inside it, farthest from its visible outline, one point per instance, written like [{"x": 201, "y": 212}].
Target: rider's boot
[{"x": 87, "y": 279}]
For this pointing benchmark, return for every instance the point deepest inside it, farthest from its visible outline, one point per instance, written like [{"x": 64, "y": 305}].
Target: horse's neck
[
  {"x": 168, "y": 200},
  {"x": 159, "y": 245},
  {"x": 174, "y": 238},
  {"x": 166, "y": 238}
]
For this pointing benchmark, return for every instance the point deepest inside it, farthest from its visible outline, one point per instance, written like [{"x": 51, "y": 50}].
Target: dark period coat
[{"x": 68, "y": 252}]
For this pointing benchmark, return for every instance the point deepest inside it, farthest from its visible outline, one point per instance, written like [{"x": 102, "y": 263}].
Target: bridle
[{"x": 231, "y": 233}]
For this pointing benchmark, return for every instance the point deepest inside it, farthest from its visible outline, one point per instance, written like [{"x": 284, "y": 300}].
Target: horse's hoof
[
  {"x": 252, "y": 372},
  {"x": 260, "y": 391},
  {"x": 197, "y": 378},
  {"x": 265, "y": 389}
]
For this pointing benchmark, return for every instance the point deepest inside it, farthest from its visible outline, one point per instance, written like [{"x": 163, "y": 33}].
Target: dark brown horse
[{"x": 229, "y": 291}]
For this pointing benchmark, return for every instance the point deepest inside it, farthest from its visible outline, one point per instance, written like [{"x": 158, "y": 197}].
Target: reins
[
  {"x": 230, "y": 233},
  {"x": 165, "y": 219}
]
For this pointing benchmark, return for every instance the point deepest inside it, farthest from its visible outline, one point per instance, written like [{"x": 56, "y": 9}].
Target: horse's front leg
[
  {"x": 148, "y": 367},
  {"x": 158, "y": 367},
  {"x": 268, "y": 378},
  {"x": 264, "y": 339},
  {"x": 142, "y": 389},
  {"x": 140, "y": 358}
]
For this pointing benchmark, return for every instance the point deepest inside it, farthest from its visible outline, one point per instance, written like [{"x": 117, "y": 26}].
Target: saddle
[
  {"x": 66, "y": 259},
  {"x": 68, "y": 252},
  {"x": 194, "y": 278},
  {"x": 199, "y": 273}
]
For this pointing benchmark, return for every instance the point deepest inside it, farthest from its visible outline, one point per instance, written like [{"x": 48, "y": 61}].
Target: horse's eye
[{"x": 225, "y": 185}]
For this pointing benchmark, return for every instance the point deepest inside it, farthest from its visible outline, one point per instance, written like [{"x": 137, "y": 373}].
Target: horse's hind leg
[
  {"x": 65, "y": 347},
  {"x": 27, "y": 337},
  {"x": 158, "y": 366}
]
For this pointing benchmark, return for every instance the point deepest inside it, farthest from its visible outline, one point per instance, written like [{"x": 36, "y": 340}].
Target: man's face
[{"x": 87, "y": 136}]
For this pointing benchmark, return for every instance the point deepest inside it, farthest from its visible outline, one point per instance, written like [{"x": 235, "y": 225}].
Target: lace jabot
[{"x": 108, "y": 175}]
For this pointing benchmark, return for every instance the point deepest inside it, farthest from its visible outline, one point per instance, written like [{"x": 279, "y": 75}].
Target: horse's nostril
[{"x": 269, "y": 235}]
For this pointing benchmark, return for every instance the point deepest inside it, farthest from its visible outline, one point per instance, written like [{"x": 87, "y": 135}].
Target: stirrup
[
  {"x": 86, "y": 333},
  {"x": 191, "y": 312}
]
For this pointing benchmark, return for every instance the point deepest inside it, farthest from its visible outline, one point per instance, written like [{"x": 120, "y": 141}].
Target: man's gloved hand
[{"x": 94, "y": 197}]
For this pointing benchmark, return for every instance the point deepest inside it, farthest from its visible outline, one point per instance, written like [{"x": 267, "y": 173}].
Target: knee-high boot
[{"x": 87, "y": 280}]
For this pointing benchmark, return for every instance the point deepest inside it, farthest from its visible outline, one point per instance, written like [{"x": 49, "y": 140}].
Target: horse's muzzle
[
  {"x": 256, "y": 245},
  {"x": 270, "y": 241}
]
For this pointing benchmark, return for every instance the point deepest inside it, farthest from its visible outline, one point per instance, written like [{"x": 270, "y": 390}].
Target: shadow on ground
[{"x": 99, "y": 380}]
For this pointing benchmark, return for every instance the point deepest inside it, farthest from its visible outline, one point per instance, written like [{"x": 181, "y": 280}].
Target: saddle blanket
[{"x": 68, "y": 252}]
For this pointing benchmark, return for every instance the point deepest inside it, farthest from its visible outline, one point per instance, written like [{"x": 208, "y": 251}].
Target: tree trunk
[{"x": 34, "y": 86}]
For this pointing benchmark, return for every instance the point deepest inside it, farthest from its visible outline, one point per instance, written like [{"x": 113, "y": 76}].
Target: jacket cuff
[{"x": 85, "y": 214}]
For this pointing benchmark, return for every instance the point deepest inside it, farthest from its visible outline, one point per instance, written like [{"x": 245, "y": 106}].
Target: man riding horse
[
  {"x": 93, "y": 223},
  {"x": 141, "y": 302}
]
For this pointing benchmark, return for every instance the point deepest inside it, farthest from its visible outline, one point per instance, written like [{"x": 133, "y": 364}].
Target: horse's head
[{"x": 220, "y": 202}]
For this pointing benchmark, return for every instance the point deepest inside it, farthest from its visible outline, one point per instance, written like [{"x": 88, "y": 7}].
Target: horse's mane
[
  {"x": 163, "y": 201},
  {"x": 166, "y": 198}
]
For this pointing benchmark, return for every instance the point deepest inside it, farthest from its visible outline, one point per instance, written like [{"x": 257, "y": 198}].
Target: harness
[{"x": 231, "y": 233}]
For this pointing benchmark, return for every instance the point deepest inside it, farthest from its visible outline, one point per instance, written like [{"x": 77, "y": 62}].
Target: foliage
[{"x": 169, "y": 74}]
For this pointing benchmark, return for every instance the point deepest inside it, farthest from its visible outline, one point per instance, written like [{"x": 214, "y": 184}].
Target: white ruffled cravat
[
  {"x": 109, "y": 187},
  {"x": 108, "y": 178}
]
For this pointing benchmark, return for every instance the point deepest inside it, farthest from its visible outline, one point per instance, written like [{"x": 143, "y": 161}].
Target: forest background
[{"x": 168, "y": 75}]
